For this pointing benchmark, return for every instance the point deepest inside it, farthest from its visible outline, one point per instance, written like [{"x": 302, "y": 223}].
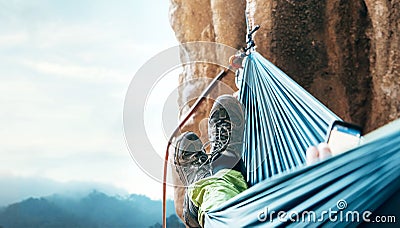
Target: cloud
[
  {"x": 83, "y": 72},
  {"x": 64, "y": 70},
  {"x": 13, "y": 40}
]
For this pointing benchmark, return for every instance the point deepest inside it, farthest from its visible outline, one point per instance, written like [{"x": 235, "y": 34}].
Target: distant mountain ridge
[
  {"x": 19, "y": 188},
  {"x": 94, "y": 210}
]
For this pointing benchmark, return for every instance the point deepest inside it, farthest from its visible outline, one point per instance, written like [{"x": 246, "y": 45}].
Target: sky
[{"x": 65, "y": 67}]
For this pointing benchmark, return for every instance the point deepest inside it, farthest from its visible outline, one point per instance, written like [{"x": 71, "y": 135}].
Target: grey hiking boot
[
  {"x": 192, "y": 164},
  {"x": 190, "y": 160},
  {"x": 225, "y": 131}
]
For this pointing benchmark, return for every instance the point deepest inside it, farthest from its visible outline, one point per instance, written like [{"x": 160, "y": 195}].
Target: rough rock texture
[
  {"x": 384, "y": 61},
  {"x": 205, "y": 20},
  {"x": 346, "y": 53}
]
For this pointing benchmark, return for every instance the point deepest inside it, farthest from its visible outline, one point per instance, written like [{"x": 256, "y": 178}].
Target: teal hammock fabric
[{"x": 282, "y": 121}]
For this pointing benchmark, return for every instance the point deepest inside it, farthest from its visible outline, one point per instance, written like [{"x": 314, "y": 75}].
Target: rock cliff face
[{"x": 346, "y": 53}]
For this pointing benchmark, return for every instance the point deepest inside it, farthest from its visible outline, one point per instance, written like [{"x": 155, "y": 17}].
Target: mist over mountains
[
  {"x": 16, "y": 188},
  {"x": 96, "y": 209}
]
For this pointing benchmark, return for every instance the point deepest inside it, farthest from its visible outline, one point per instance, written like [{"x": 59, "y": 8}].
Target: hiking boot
[
  {"x": 192, "y": 164},
  {"x": 191, "y": 161},
  {"x": 225, "y": 131}
]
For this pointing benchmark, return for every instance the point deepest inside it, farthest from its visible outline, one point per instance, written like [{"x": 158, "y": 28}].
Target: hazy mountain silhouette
[
  {"x": 19, "y": 188},
  {"x": 94, "y": 210}
]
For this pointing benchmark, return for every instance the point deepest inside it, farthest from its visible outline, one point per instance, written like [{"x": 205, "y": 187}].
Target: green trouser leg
[{"x": 213, "y": 191}]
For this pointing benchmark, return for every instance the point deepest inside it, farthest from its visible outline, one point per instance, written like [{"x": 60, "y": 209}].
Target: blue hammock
[{"x": 282, "y": 121}]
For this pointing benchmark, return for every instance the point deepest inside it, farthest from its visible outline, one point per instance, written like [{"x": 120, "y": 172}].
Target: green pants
[{"x": 213, "y": 191}]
